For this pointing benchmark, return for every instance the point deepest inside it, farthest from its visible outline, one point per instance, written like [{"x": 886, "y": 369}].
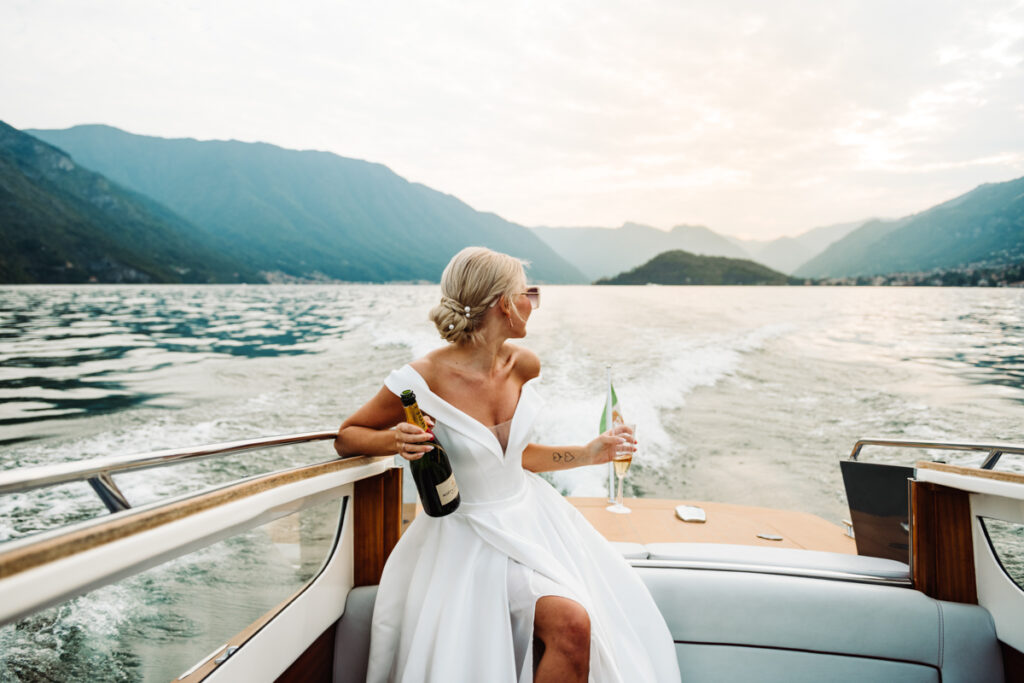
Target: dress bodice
[{"x": 484, "y": 471}]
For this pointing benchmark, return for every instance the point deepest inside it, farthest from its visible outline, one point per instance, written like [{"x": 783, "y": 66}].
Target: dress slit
[{"x": 525, "y": 588}]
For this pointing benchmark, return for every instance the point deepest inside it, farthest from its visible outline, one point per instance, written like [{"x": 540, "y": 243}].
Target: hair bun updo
[{"x": 473, "y": 280}]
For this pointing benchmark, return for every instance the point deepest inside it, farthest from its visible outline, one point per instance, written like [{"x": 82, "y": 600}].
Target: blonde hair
[{"x": 472, "y": 282}]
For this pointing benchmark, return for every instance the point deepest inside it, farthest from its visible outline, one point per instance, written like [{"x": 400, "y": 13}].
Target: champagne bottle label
[{"x": 447, "y": 490}]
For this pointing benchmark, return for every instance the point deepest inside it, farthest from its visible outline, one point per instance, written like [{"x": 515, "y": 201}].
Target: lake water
[{"x": 745, "y": 394}]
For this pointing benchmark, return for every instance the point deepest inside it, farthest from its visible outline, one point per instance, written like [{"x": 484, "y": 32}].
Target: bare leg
[{"x": 563, "y": 627}]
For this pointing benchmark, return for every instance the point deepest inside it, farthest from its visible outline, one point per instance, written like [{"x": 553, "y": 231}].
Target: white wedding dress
[{"x": 455, "y": 602}]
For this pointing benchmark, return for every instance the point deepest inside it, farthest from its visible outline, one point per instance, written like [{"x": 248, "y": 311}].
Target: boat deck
[{"x": 654, "y": 520}]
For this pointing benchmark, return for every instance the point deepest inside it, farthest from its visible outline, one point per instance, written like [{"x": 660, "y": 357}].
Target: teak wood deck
[{"x": 654, "y": 520}]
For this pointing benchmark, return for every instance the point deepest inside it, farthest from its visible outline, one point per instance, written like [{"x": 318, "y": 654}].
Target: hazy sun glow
[{"x": 752, "y": 118}]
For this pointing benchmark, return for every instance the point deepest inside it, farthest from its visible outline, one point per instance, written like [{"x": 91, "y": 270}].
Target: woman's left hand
[{"x": 603, "y": 448}]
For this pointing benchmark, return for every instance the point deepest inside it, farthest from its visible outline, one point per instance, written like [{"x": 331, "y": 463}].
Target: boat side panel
[
  {"x": 282, "y": 641},
  {"x": 996, "y": 591},
  {"x": 119, "y": 549}
]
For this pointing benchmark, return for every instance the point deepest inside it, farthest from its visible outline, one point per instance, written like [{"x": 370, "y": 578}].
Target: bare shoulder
[
  {"x": 526, "y": 363},
  {"x": 429, "y": 365}
]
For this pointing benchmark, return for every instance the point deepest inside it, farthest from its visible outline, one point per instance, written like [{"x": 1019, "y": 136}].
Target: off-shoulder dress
[{"x": 456, "y": 598}]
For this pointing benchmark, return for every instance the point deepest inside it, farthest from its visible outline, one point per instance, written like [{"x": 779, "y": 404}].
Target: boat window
[
  {"x": 1007, "y": 542},
  {"x": 158, "y": 624}
]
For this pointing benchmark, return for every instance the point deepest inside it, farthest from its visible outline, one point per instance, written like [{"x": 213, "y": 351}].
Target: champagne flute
[{"x": 622, "y": 459}]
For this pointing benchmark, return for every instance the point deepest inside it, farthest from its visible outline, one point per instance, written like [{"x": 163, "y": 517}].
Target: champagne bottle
[{"x": 432, "y": 472}]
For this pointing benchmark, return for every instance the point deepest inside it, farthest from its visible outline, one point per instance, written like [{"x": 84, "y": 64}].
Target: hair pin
[{"x": 451, "y": 326}]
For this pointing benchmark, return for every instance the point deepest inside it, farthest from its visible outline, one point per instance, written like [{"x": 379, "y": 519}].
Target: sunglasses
[{"x": 533, "y": 294}]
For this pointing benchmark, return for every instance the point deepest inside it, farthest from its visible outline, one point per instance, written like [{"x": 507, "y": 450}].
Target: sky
[{"x": 756, "y": 119}]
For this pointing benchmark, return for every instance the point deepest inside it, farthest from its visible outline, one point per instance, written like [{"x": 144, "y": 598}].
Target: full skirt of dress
[{"x": 443, "y": 614}]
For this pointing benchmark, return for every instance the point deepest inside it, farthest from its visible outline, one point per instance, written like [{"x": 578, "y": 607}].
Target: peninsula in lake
[{"x": 679, "y": 267}]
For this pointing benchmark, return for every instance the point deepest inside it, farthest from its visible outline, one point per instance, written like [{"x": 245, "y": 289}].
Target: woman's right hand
[
  {"x": 604, "y": 448},
  {"x": 409, "y": 439}
]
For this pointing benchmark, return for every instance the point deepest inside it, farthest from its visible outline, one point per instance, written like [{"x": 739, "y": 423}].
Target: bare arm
[
  {"x": 379, "y": 428},
  {"x": 539, "y": 458}
]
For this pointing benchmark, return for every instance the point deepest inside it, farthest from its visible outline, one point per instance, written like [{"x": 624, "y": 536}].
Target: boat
[{"x": 916, "y": 588}]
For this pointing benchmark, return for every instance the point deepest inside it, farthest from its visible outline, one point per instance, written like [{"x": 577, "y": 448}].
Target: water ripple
[{"x": 79, "y": 351}]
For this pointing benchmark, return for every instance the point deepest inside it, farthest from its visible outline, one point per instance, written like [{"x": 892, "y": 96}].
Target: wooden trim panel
[
  {"x": 316, "y": 664},
  {"x": 942, "y": 551},
  {"x": 377, "y": 517}
]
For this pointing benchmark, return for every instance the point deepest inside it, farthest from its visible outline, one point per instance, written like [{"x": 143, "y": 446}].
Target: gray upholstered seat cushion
[
  {"x": 779, "y": 557},
  {"x": 835, "y": 617},
  {"x": 352, "y": 639}
]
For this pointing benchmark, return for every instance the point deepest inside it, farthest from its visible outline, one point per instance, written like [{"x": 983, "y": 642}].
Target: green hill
[
  {"x": 304, "y": 213},
  {"x": 683, "y": 268},
  {"x": 60, "y": 223},
  {"x": 984, "y": 227}
]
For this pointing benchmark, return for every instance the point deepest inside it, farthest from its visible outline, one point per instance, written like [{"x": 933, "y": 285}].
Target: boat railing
[
  {"x": 98, "y": 472},
  {"x": 994, "y": 451},
  {"x": 133, "y": 539}
]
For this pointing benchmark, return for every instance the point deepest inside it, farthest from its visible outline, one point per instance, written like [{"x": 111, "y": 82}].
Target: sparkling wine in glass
[{"x": 622, "y": 459}]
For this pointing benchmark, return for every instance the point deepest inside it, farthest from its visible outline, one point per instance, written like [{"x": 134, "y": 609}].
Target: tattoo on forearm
[{"x": 565, "y": 456}]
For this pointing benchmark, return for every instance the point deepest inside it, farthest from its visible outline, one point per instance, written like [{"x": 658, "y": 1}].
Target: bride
[{"x": 514, "y": 585}]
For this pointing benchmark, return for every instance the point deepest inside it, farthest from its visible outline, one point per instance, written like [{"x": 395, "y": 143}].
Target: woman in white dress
[{"x": 514, "y": 585}]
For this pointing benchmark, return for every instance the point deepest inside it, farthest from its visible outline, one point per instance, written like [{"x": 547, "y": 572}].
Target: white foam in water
[
  {"x": 646, "y": 387},
  {"x": 404, "y": 327},
  {"x": 77, "y": 640},
  {"x": 419, "y": 343}
]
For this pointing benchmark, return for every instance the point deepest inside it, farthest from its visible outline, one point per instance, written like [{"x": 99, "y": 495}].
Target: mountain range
[
  {"x": 305, "y": 214},
  {"x": 94, "y": 203},
  {"x": 984, "y": 227},
  {"x": 60, "y": 222}
]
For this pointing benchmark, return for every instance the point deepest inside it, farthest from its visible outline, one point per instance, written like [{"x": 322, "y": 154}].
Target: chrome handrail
[
  {"x": 995, "y": 451},
  {"x": 98, "y": 471}
]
